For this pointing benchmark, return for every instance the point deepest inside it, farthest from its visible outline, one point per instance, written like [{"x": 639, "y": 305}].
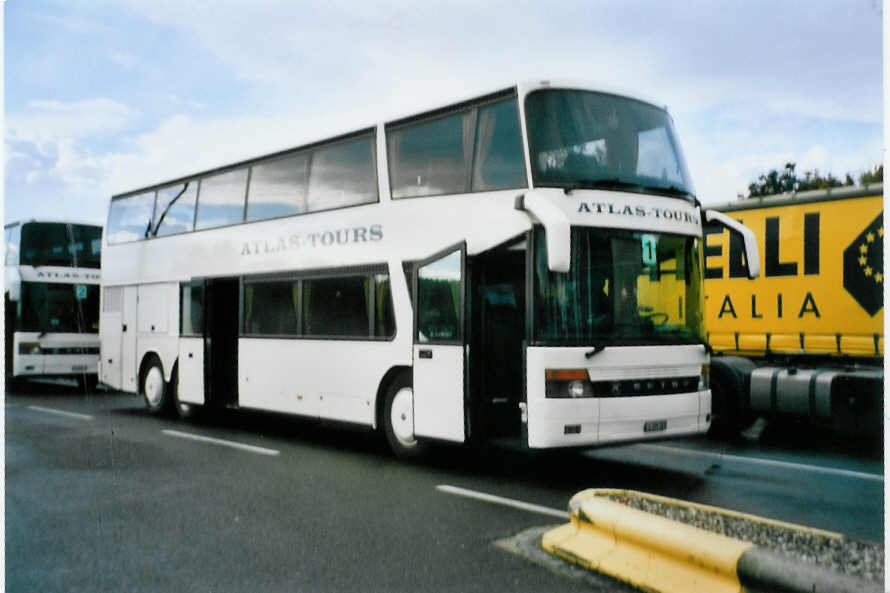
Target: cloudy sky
[{"x": 103, "y": 97}]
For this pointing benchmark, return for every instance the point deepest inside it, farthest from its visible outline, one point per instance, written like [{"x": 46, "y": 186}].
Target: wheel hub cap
[
  {"x": 402, "y": 416},
  {"x": 154, "y": 386}
]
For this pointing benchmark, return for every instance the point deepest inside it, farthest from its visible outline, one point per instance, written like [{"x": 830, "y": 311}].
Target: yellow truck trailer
[{"x": 805, "y": 338}]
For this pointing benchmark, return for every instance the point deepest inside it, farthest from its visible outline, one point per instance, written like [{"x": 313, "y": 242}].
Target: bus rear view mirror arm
[
  {"x": 557, "y": 227},
  {"x": 752, "y": 255}
]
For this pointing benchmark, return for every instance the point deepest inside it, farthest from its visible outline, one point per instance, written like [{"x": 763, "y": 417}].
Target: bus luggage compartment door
[
  {"x": 111, "y": 336},
  {"x": 128, "y": 340},
  {"x": 439, "y": 346}
]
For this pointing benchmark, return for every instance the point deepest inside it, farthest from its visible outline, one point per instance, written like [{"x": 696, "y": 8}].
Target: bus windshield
[
  {"x": 623, "y": 287},
  {"x": 59, "y": 308},
  {"x": 584, "y": 139},
  {"x": 60, "y": 244}
]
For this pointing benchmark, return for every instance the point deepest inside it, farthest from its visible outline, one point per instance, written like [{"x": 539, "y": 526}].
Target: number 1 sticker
[{"x": 650, "y": 252}]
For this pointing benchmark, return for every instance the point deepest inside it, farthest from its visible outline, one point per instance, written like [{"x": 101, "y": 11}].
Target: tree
[
  {"x": 876, "y": 175},
  {"x": 774, "y": 182}
]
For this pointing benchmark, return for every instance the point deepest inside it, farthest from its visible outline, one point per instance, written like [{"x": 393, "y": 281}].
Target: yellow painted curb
[
  {"x": 603, "y": 492},
  {"x": 645, "y": 550}
]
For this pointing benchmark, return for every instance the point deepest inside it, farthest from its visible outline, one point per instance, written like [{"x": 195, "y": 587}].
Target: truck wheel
[
  {"x": 728, "y": 415},
  {"x": 398, "y": 419}
]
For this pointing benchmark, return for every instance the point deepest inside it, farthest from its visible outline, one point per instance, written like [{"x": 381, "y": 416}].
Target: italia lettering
[{"x": 807, "y": 307}]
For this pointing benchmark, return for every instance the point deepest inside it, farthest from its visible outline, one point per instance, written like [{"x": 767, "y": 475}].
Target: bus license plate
[{"x": 655, "y": 425}]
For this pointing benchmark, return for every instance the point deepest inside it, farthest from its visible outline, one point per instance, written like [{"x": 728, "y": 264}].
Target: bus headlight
[
  {"x": 704, "y": 381},
  {"x": 567, "y": 383},
  {"x": 577, "y": 389},
  {"x": 29, "y": 347}
]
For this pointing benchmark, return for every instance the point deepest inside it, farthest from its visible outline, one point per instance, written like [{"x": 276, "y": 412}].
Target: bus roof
[{"x": 50, "y": 221}]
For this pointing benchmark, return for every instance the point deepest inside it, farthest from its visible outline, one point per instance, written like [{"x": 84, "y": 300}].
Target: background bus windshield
[
  {"x": 65, "y": 308},
  {"x": 623, "y": 288},
  {"x": 60, "y": 244},
  {"x": 582, "y": 139}
]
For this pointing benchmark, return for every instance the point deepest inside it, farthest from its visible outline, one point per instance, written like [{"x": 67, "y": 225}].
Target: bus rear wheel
[
  {"x": 398, "y": 419},
  {"x": 153, "y": 387}
]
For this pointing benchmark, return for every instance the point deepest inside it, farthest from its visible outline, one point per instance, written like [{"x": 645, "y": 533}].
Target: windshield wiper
[
  {"x": 154, "y": 233},
  {"x": 610, "y": 183},
  {"x": 596, "y": 350},
  {"x": 671, "y": 189}
]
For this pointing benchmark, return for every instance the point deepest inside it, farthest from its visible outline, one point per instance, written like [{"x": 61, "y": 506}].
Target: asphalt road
[{"x": 102, "y": 496}]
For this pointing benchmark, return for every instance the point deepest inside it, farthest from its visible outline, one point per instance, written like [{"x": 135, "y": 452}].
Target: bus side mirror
[
  {"x": 752, "y": 254},
  {"x": 556, "y": 225}
]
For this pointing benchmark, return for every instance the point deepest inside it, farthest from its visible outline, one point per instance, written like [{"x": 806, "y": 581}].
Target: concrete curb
[{"x": 659, "y": 554}]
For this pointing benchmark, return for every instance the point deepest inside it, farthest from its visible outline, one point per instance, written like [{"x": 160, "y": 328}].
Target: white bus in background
[
  {"x": 525, "y": 265},
  {"x": 51, "y": 299}
]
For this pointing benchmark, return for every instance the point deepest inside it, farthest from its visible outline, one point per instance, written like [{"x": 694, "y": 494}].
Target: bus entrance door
[
  {"x": 221, "y": 342},
  {"x": 439, "y": 359}
]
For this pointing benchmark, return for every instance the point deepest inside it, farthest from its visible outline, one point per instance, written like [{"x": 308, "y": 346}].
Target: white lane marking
[
  {"x": 510, "y": 502},
  {"x": 761, "y": 461},
  {"x": 61, "y": 413},
  {"x": 224, "y": 443}
]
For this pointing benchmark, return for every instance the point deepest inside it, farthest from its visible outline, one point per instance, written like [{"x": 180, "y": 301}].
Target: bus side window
[
  {"x": 129, "y": 218},
  {"x": 269, "y": 308},
  {"x": 498, "y": 161},
  {"x": 278, "y": 187},
  {"x": 439, "y": 299},
  {"x": 175, "y": 211},
  {"x": 221, "y": 199},
  {"x": 342, "y": 174},
  {"x": 384, "y": 315},
  {"x": 336, "y": 306},
  {"x": 430, "y": 158},
  {"x": 192, "y": 309}
]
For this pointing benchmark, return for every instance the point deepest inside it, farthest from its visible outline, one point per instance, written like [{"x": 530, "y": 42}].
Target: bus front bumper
[{"x": 604, "y": 421}]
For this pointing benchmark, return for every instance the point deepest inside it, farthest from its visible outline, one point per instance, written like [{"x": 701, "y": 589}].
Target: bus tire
[
  {"x": 184, "y": 410},
  {"x": 153, "y": 387},
  {"x": 87, "y": 383},
  {"x": 398, "y": 419}
]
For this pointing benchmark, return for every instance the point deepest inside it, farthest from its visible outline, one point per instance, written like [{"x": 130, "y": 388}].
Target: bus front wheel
[
  {"x": 154, "y": 388},
  {"x": 398, "y": 419}
]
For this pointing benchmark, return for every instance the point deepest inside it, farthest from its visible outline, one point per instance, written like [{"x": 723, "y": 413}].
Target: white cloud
[
  {"x": 72, "y": 23},
  {"x": 822, "y": 62},
  {"x": 122, "y": 58},
  {"x": 45, "y": 120}
]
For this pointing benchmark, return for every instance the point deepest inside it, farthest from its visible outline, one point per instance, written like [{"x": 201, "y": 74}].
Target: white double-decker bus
[
  {"x": 525, "y": 265},
  {"x": 51, "y": 300}
]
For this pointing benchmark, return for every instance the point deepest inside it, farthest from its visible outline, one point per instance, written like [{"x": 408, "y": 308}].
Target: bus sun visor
[{"x": 556, "y": 224}]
